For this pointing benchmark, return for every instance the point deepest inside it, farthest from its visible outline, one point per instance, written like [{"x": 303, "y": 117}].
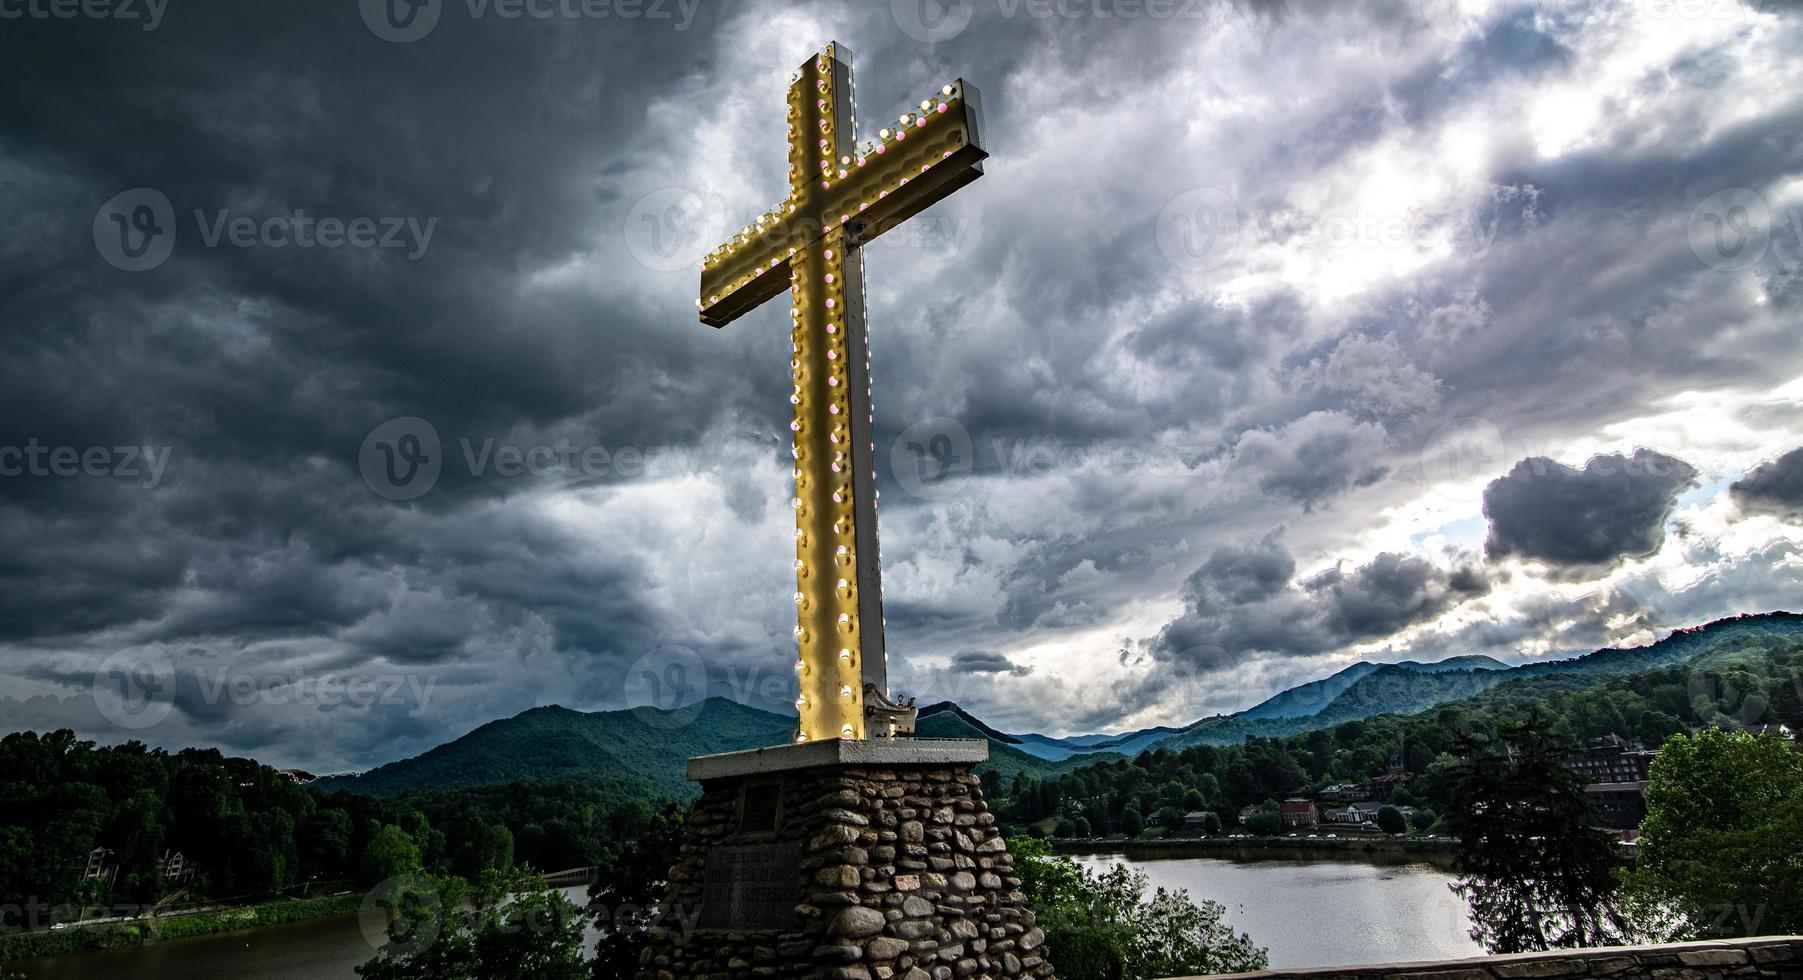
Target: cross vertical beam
[{"x": 842, "y": 194}]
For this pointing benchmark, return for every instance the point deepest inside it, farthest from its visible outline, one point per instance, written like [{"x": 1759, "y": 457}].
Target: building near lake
[
  {"x": 1297, "y": 812},
  {"x": 1616, "y": 771},
  {"x": 1355, "y": 813}
]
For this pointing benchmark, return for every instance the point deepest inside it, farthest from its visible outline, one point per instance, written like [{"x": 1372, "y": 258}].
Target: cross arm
[{"x": 908, "y": 168}]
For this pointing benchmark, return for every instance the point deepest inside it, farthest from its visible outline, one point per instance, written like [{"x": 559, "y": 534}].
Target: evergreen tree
[{"x": 1534, "y": 867}]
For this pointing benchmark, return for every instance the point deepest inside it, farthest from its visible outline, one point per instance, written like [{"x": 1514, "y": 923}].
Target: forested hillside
[{"x": 1747, "y": 674}]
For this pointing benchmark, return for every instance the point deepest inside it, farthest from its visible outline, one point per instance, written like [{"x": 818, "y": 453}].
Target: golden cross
[{"x": 842, "y": 194}]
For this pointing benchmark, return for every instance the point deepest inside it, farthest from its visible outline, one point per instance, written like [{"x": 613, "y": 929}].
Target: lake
[
  {"x": 1317, "y": 912},
  {"x": 1310, "y": 912}
]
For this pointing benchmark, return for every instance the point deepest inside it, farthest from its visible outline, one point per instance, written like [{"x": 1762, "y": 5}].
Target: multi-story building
[
  {"x": 1298, "y": 812},
  {"x": 1616, "y": 771}
]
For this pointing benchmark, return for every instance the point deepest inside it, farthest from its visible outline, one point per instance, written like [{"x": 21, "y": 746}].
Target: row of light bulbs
[
  {"x": 829, "y": 292},
  {"x": 749, "y": 233}
]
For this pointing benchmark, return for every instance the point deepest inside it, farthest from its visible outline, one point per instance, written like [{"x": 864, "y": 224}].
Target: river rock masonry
[{"x": 858, "y": 869}]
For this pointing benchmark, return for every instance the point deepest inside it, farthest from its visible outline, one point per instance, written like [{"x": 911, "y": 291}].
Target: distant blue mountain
[{"x": 1301, "y": 701}]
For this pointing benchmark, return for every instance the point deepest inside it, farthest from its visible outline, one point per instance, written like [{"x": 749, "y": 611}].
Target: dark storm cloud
[
  {"x": 1582, "y": 520},
  {"x": 1316, "y": 458},
  {"x": 1774, "y": 487},
  {"x": 1245, "y": 599},
  {"x": 983, "y": 662},
  {"x": 1053, "y": 319}
]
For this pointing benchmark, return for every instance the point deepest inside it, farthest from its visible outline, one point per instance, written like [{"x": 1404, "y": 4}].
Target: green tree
[
  {"x": 1170, "y": 818},
  {"x": 1266, "y": 820},
  {"x": 1534, "y": 868},
  {"x": 627, "y": 895},
  {"x": 390, "y": 854},
  {"x": 1423, "y": 819},
  {"x": 1723, "y": 831},
  {"x": 1132, "y": 823},
  {"x": 1106, "y": 927},
  {"x": 504, "y": 927},
  {"x": 1391, "y": 821}
]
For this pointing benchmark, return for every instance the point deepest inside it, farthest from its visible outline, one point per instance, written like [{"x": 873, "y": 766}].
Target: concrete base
[
  {"x": 874, "y": 860},
  {"x": 840, "y": 752}
]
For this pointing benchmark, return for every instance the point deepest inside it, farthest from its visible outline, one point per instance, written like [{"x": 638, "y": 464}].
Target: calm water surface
[
  {"x": 1324, "y": 913},
  {"x": 1307, "y": 912},
  {"x": 320, "y": 949}
]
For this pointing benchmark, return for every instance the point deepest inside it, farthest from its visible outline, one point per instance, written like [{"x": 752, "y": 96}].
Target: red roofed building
[{"x": 1299, "y": 813}]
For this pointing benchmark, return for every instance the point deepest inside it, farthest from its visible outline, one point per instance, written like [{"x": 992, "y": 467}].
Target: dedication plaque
[{"x": 751, "y": 886}]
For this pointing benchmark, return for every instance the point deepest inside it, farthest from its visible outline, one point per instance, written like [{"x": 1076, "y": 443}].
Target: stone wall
[
  {"x": 901, "y": 875},
  {"x": 1769, "y": 958}
]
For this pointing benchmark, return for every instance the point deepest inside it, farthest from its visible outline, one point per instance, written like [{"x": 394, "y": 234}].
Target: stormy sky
[{"x": 353, "y": 393}]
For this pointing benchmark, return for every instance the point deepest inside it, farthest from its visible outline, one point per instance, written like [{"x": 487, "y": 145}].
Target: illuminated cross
[{"x": 842, "y": 194}]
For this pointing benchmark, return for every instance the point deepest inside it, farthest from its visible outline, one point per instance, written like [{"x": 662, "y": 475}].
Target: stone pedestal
[{"x": 845, "y": 860}]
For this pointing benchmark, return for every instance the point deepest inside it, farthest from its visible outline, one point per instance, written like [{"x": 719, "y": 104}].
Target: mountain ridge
[{"x": 644, "y": 751}]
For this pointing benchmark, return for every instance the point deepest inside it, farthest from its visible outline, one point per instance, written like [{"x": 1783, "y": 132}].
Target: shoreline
[
  {"x": 1377, "y": 850},
  {"x": 144, "y": 932}
]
